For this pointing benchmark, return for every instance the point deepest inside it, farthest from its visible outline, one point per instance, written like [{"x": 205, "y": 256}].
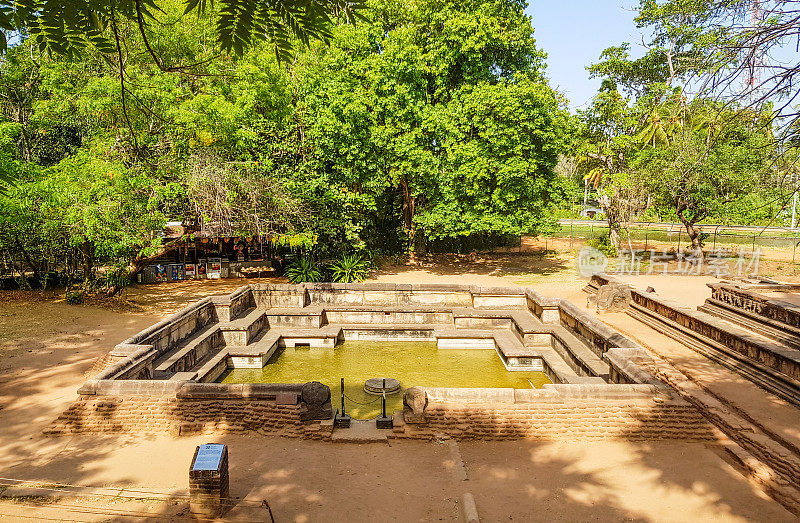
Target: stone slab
[{"x": 360, "y": 431}]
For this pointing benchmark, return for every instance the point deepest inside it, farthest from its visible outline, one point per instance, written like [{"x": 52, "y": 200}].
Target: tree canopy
[{"x": 422, "y": 121}]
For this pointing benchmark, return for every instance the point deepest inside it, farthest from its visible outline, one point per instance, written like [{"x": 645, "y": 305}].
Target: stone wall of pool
[{"x": 163, "y": 379}]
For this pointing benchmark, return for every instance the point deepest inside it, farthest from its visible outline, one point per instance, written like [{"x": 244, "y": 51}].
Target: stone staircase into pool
[
  {"x": 169, "y": 377},
  {"x": 245, "y": 329}
]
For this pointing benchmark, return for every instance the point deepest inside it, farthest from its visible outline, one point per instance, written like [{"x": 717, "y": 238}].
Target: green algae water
[{"x": 412, "y": 363}]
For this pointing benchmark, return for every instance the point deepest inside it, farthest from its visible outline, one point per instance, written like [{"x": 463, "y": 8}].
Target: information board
[{"x": 208, "y": 456}]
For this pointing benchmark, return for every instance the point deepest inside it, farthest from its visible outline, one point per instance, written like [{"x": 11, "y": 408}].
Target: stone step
[
  {"x": 558, "y": 367},
  {"x": 578, "y": 353},
  {"x": 213, "y": 368},
  {"x": 361, "y": 431},
  {"x": 244, "y": 328},
  {"x": 182, "y": 359},
  {"x": 511, "y": 347},
  {"x": 774, "y": 331},
  {"x": 388, "y": 331},
  {"x": 307, "y": 317},
  {"x": 253, "y": 356}
]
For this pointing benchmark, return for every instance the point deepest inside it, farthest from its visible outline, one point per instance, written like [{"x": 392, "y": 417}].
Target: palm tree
[{"x": 666, "y": 120}]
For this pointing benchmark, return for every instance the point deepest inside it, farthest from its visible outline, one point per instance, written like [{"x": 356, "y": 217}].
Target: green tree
[
  {"x": 500, "y": 145},
  {"x": 70, "y": 27},
  {"x": 606, "y": 146},
  {"x": 435, "y": 113},
  {"x": 705, "y": 169}
]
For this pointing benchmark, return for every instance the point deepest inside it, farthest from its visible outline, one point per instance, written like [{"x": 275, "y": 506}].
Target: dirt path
[{"x": 307, "y": 481}]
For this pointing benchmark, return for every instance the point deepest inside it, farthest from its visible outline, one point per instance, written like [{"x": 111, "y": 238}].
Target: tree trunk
[
  {"x": 694, "y": 235},
  {"x": 26, "y": 141},
  {"x": 693, "y": 232},
  {"x": 612, "y": 217},
  {"x": 614, "y": 229},
  {"x": 409, "y": 210},
  {"x": 30, "y": 262},
  {"x": 87, "y": 253}
]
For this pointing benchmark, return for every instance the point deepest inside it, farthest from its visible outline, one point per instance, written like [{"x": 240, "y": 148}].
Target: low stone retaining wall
[
  {"x": 161, "y": 414},
  {"x": 778, "y": 358},
  {"x": 387, "y": 294},
  {"x": 170, "y": 331},
  {"x": 569, "y": 419},
  {"x": 181, "y": 408},
  {"x": 557, "y": 412},
  {"x": 596, "y": 334},
  {"x": 750, "y": 301}
]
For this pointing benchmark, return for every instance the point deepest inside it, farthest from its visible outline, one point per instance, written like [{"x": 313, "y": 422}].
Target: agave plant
[
  {"x": 304, "y": 269},
  {"x": 349, "y": 268}
]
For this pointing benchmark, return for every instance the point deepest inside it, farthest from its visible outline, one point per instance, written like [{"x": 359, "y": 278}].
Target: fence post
[
  {"x": 716, "y": 229},
  {"x": 646, "y": 234},
  {"x": 678, "y": 251},
  {"x": 753, "y": 250},
  {"x": 571, "y": 235}
]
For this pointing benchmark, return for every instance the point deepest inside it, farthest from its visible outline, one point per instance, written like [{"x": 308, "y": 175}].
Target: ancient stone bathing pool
[
  {"x": 478, "y": 362},
  {"x": 413, "y": 363}
]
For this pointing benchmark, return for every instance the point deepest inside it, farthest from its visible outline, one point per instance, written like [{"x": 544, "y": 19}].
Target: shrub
[
  {"x": 304, "y": 269},
  {"x": 75, "y": 297},
  {"x": 603, "y": 244},
  {"x": 117, "y": 278},
  {"x": 350, "y": 268}
]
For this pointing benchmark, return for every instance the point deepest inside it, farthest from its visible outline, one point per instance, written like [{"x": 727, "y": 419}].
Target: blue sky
[{"x": 574, "y": 32}]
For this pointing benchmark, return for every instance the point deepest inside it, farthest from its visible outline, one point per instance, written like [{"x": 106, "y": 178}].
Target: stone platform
[
  {"x": 736, "y": 327},
  {"x": 163, "y": 378}
]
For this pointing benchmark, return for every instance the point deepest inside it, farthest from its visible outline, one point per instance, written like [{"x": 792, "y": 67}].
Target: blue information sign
[{"x": 208, "y": 456}]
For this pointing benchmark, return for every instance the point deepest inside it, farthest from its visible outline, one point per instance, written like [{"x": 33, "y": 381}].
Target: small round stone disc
[{"x": 375, "y": 385}]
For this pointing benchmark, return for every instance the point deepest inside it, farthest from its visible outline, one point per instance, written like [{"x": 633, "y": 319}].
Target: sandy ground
[
  {"x": 554, "y": 275},
  {"x": 48, "y": 346}
]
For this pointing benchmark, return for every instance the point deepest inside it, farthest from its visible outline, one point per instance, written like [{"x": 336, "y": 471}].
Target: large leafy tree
[
  {"x": 148, "y": 133},
  {"x": 429, "y": 120},
  {"x": 740, "y": 51},
  {"x": 500, "y": 145},
  {"x": 676, "y": 131},
  {"x": 80, "y": 28},
  {"x": 436, "y": 113}
]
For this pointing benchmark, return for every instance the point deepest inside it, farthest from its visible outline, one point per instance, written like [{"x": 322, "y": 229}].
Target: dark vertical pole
[
  {"x": 342, "y": 397},
  {"x": 383, "y": 402},
  {"x": 571, "y": 232}
]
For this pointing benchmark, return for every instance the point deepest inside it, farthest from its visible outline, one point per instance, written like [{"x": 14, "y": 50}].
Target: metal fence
[{"x": 777, "y": 243}]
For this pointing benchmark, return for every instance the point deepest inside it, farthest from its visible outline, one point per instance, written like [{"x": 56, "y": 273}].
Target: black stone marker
[
  {"x": 382, "y": 421},
  {"x": 341, "y": 420},
  {"x": 208, "y": 480}
]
